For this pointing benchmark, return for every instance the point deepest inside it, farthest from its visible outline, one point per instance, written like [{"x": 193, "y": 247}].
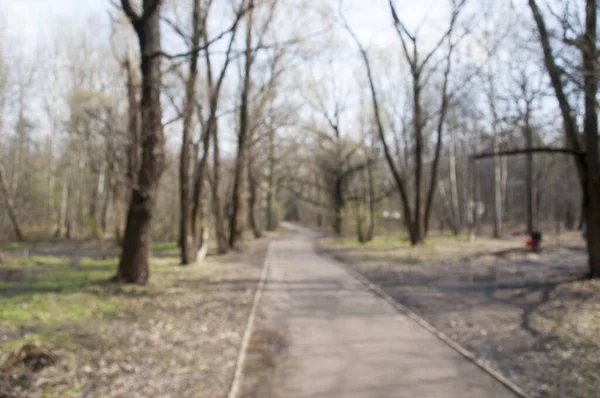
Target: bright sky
[
  {"x": 30, "y": 20},
  {"x": 30, "y": 23}
]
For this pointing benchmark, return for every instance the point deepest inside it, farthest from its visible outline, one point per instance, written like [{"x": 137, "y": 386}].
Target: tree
[
  {"x": 187, "y": 240},
  {"x": 9, "y": 206},
  {"x": 133, "y": 264},
  {"x": 210, "y": 132},
  {"x": 416, "y": 214},
  {"x": 236, "y": 221},
  {"x": 588, "y": 167}
]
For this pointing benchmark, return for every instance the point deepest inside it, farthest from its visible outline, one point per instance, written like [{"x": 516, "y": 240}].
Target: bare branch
[
  {"x": 130, "y": 12},
  {"x": 513, "y": 152}
]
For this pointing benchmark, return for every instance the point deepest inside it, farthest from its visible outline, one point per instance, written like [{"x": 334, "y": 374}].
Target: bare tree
[
  {"x": 133, "y": 264},
  {"x": 589, "y": 167},
  {"x": 236, "y": 221},
  {"x": 187, "y": 240},
  {"x": 417, "y": 215},
  {"x": 498, "y": 165}
]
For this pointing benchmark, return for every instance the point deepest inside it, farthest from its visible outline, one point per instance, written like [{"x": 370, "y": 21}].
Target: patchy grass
[
  {"x": 176, "y": 336},
  {"x": 36, "y": 305}
]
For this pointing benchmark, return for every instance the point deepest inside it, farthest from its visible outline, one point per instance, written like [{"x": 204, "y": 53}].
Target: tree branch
[{"x": 513, "y": 152}]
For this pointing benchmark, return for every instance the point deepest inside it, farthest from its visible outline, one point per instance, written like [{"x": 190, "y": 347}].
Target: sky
[
  {"x": 31, "y": 20},
  {"x": 29, "y": 23}
]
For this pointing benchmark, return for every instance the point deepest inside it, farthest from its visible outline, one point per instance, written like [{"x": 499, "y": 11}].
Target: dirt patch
[
  {"x": 532, "y": 316},
  {"x": 178, "y": 337}
]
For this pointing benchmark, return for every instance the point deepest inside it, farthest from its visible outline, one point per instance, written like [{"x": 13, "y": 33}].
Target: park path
[{"x": 343, "y": 341}]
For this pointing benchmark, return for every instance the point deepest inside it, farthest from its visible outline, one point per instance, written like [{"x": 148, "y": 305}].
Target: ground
[
  {"x": 531, "y": 316},
  {"x": 178, "y": 337},
  {"x": 323, "y": 333}
]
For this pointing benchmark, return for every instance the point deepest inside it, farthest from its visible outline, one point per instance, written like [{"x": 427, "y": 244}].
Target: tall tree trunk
[
  {"x": 133, "y": 115},
  {"x": 133, "y": 264},
  {"x": 186, "y": 236},
  {"x": 365, "y": 233},
  {"x": 456, "y": 216},
  {"x": 590, "y": 130},
  {"x": 588, "y": 170},
  {"x": 253, "y": 203},
  {"x": 217, "y": 198},
  {"x": 9, "y": 206},
  {"x": 417, "y": 235},
  {"x": 198, "y": 201},
  {"x": 470, "y": 217},
  {"x": 106, "y": 205},
  {"x": 529, "y": 175},
  {"x": 96, "y": 204},
  {"x": 504, "y": 170},
  {"x": 371, "y": 205},
  {"x": 62, "y": 216},
  {"x": 338, "y": 207},
  {"x": 497, "y": 163},
  {"x": 271, "y": 216},
  {"x": 236, "y": 222},
  {"x": 254, "y": 199}
]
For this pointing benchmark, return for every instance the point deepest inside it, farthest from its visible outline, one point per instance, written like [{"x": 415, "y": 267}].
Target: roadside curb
[
  {"x": 436, "y": 332},
  {"x": 236, "y": 383}
]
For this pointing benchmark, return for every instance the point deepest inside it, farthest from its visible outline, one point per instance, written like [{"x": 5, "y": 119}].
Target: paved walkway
[{"x": 345, "y": 342}]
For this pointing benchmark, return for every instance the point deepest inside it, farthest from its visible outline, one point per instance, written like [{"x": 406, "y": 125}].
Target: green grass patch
[
  {"x": 95, "y": 262},
  {"x": 39, "y": 302},
  {"x": 163, "y": 246}
]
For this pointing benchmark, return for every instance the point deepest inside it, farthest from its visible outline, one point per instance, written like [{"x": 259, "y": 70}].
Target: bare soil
[
  {"x": 178, "y": 337},
  {"x": 530, "y": 315}
]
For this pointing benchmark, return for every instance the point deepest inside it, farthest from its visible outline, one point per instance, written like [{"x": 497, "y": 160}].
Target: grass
[
  {"x": 60, "y": 296},
  {"x": 378, "y": 241},
  {"x": 51, "y": 297},
  {"x": 438, "y": 248},
  {"x": 164, "y": 246},
  {"x": 46, "y": 296}
]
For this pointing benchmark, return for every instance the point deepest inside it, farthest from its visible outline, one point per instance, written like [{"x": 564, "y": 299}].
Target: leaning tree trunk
[{"x": 133, "y": 264}]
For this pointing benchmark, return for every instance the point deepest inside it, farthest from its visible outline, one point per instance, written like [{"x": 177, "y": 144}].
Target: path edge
[
  {"x": 238, "y": 376},
  {"x": 433, "y": 330}
]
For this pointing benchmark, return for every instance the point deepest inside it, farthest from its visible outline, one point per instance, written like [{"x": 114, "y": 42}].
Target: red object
[{"x": 529, "y": 242}]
